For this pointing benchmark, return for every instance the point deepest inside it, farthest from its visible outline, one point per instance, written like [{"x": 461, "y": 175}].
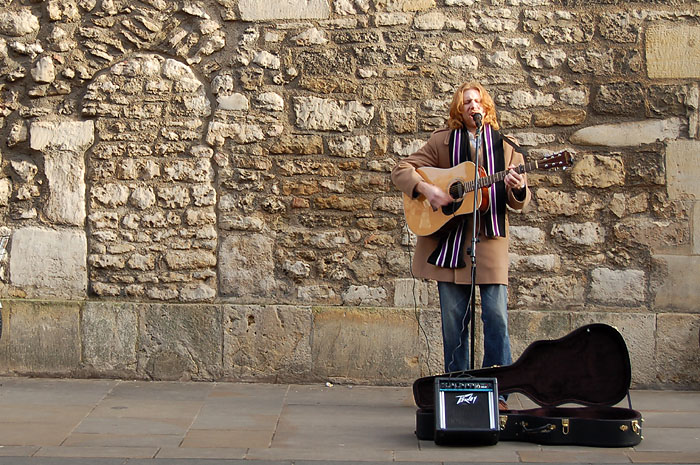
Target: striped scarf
[{"x": 450, "y": 250}]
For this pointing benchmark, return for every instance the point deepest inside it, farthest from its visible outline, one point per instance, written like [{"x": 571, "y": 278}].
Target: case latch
[
  {"x": 503, "y": 421},
  {"x": 635, "y": 426},
  {"x": 565, "y": 426}
]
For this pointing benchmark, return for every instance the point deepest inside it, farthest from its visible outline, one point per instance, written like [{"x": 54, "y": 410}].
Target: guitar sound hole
[{"x": 457, "y": 190}]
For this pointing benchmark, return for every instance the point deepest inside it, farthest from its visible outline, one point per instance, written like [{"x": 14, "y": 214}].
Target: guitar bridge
[{"x": 451, "y": 209}]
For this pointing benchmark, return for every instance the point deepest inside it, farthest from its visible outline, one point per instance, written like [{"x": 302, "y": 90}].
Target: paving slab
[
  {"x": 671, "y": 420},
  {"x": 62, "y": 461},
  {"x": 50, "y": 391},
  {"x": 472, "y": 454},
  {"x": 345, "y": 425},
  {"x": 650, "y": 457},
  {"x": 97, "y": 452},
  {"x": 670, "y": 439},
  {"x": 34, "y": 434},
  {"x": 122, "y": 440},
  {"x": 171, "y": 391},
  {"x": 30, "y": 413},
  {"x": 349, "y": 395},
  {"x": 357, "y": 462},
  {"x": 18, "y": 451},
  {"x": 329, "y": 454},
  {"x": 673, "y": 401},
  {"x": 593, "y": 455},
  {"x": 206, "y": 461},
  {"x": 202, "y": 453},
  {"x": 119, "y": 407},
  {"x": 242, "y": 438},
  {"x": 133, "y": 426}
]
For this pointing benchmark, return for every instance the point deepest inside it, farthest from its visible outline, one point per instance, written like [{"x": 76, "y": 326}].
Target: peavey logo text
[{"x": 467, "y": 399}]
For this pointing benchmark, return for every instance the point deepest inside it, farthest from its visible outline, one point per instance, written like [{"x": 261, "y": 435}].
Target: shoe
[{"x": 502, "y": 405}]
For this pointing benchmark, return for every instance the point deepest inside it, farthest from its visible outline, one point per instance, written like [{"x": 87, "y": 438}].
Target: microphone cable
[
  {"x": 421, "y": 329},
  {"x": 467, "y": 313}
]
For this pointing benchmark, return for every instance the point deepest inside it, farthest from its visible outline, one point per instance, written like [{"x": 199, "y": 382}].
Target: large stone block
[
  {"x": 411, "y": 292},
  {"x": 255, "y": 10},
  {"x": 545, "y": 292},
  {"x": 678, "y": 350},
  {"x": 110, "y": 338},
  {"x": 430, "y": 339},
  {"x": 365, "y": 345},
  {"x": 588, "y": 234},
  {"x": 18, "y": 23},
  {"x": 5, "y": 190},
  {"x": 267, "y": 343},
  {"x": 672, "y": 51},
  {"x": 557, "y": 202},
  {"x": 683, "y": 168},
  {"x": 180, "y": 342},
  {"x": 695, "y": 229},
  {"x": 247, "y": 266},
  {"x": 677, "y": 283},
  {"x": 693, "y": 105},
  {"x": 408, "y": 5},
  {"x": 65, "y": 172},
  {"x": 628, "y": 134},
  {"x": 71, "y": 136},
  {"x": 637, "y": 329},
  {"x": 618, "y": 286},
  {"x": 45, "y": 262},
  {"x": 331, "y": 115},
  {"x": 647, "y": 231},
  {"x": 64, "y": 145},
  {"x": 598, "y": 171},
  {"x": 540, "y": 263},
  {"x": 619, "y": 99},
  {"x": 40, "y": 338},
  {"x": 526, "y": 327}
]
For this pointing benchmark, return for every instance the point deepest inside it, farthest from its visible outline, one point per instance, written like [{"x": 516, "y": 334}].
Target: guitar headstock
[{"x": 562, "y": 160}]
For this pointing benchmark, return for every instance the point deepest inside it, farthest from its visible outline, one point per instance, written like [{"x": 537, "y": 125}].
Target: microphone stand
[{"x": 475, "y": 232}]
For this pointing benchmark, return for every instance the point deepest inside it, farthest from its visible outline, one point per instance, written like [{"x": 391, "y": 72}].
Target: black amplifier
[{"x": 466, "y": 411}]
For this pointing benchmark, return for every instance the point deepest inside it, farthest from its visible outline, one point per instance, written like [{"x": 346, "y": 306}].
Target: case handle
[{"x": 540, "y": 429}]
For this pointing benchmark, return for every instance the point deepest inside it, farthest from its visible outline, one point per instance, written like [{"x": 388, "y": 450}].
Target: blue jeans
[{"x": 454, "y": 300}]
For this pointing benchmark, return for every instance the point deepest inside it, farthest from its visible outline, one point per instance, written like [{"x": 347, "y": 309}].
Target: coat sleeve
[
  {"x": 516, "y": 158},
  {"x": 404, "y": 175}
]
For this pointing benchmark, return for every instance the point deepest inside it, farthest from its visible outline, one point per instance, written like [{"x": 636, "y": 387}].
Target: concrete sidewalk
[{"x": 61, "y": 421}]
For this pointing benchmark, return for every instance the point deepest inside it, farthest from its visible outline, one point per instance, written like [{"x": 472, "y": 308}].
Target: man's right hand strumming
[{"x": 436, "y": 196}]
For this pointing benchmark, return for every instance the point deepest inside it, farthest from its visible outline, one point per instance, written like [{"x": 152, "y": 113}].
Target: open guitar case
[{"x": 589, "y": 367}]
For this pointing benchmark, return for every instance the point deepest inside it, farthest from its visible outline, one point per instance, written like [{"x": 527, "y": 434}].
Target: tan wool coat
[{"x": 491, "y": 253}]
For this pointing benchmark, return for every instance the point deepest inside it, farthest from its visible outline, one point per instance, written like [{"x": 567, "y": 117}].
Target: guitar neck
[{"x": 485, "y": 181}]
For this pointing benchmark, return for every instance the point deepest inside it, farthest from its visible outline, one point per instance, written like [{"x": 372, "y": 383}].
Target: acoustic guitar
[{"x": 459, "y": 183}]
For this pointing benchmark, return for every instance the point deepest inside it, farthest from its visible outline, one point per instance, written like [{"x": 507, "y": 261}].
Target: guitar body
[{"x": 420, "y": 216}]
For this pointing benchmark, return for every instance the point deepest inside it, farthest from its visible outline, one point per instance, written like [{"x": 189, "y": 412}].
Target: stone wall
[{"x": 200, "y": 189}]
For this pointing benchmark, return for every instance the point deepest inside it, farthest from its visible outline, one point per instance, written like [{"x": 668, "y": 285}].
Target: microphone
[{"x": 477, "y": 119}]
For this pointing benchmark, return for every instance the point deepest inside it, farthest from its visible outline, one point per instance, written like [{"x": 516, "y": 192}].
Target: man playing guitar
[{"x": 443, "y": 255}]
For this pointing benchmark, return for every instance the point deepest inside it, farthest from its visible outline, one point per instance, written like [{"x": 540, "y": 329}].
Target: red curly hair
[{"x": 455, "y": 120}]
